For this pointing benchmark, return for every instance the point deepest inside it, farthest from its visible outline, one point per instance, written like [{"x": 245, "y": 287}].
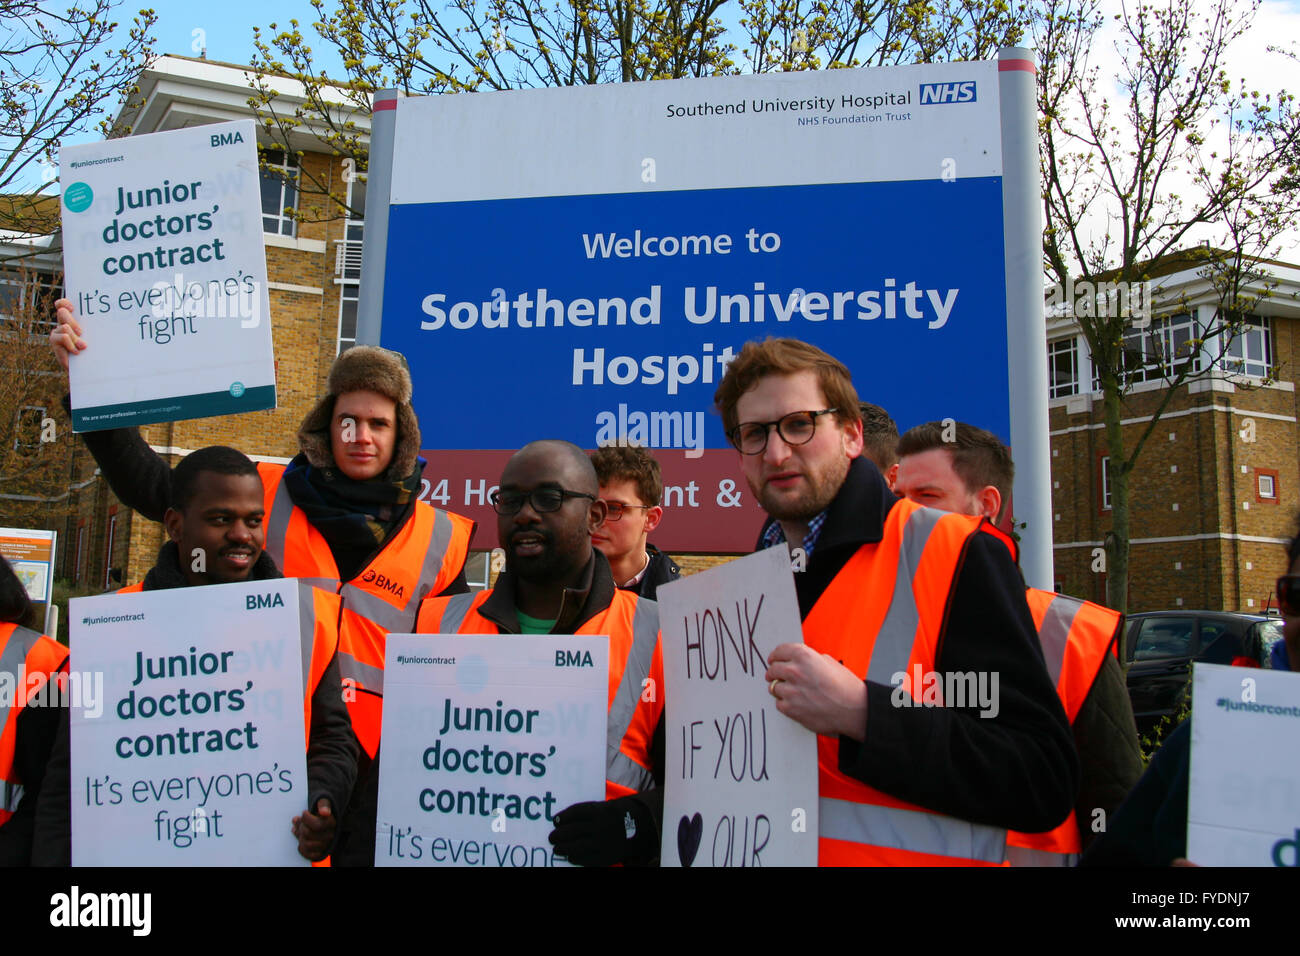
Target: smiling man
[
  {"x": 888, "y": 588},
  {"x": 555, "y": 582},
  {"x": 216, "y": 530}
]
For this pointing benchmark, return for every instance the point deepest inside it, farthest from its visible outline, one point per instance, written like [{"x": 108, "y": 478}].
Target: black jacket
[
  {"x": 331, "y": 746},
  {"x": 1016, "y": 770},
  {"x": 660, "y": 570}
]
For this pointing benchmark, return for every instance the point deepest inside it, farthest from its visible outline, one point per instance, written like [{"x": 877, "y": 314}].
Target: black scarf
[
  {"x": 168, "y": 573},
  {"x": 356, "y": 518}
]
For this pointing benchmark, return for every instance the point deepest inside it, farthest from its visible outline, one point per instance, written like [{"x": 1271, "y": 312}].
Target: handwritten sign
[
  {"x": 1242, "y": 807},
  {"x": 486, "y": 738},
  {"x": 162, "y": 241},
  {"x": 198, "y": 757},
  {"x": 741, "y": 786}
]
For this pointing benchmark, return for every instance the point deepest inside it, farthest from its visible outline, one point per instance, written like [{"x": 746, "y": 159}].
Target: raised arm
[{"x": 136, "y": 473}]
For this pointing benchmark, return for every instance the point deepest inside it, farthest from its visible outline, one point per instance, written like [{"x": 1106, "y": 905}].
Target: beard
[
  {"x": 548, "y": 565},
  {"x": 819, "y": 488}
]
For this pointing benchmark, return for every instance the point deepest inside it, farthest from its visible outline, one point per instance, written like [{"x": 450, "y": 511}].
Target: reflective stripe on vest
[
  {"x": 384, "y": 597},
  {"x": 1054, "y": 634},
  {"x": 635, "y": 660},
  {"x": 1024, "y": 856},
  {"x": 910, "y": 830},
  {"x": 23, "y": 652},
  {"x": 1075, "y": 636},
  {"x": 912, "y": 568}
]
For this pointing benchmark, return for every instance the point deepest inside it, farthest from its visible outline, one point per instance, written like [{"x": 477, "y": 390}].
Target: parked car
[{"x": 1161, "y": 645}]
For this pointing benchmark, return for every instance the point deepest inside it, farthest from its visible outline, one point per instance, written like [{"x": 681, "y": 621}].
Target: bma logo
[
  {"x": 384, "y": 584},
  {"x": 253, "y": 602},
  {"x": 226, "y": 139},
  {"x": 573, "y": 659},
  {"x": 963, "y": 92}
]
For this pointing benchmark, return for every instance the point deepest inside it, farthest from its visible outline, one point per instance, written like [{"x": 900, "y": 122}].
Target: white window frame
[
  {"x": 1258, "y": 330},
  {"x": 284, "y": 225},
  {"x": 1070, "y": 347}
]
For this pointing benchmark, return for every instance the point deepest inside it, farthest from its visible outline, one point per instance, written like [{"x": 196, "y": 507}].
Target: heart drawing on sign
[{"x": 689, "y": 832}]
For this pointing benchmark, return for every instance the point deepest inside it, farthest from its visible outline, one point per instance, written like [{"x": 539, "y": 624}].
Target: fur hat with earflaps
[{"x": 371, "y": 369}]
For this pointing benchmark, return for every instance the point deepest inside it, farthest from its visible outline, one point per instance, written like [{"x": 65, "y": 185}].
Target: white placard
[
  {"x": 741, "y": 780},
  {"x": 486, "y": 738},
  {"x": 1244, "y": 778},
  {"x": 197, "y": 757},
  {"x": 164, "y": 260}
]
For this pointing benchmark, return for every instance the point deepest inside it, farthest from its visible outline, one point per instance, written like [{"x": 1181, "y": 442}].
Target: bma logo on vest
[
  {"x": 384, "y": 584},
  {"x": 253, "y": 602},
  {"x": 573, "y": 659},
  {"x": 963, "y": 92},
  {"x": 226, "y": 139}
]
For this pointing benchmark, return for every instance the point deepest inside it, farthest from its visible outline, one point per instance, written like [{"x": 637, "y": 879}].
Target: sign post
[{"x": 593, "y": 284}]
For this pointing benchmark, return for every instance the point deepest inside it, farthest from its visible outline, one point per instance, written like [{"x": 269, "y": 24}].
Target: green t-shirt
[{"x": 533, "y": 625}]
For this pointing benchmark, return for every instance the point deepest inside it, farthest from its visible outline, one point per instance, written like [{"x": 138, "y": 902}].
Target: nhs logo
[{"x": 963, "y": 92}]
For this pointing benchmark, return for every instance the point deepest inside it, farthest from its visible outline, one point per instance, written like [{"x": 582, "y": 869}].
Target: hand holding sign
[
  {"x": 818, "y": 691},
  {"x": 315, "y": 831},
  {"x": 65, "y": 337}
]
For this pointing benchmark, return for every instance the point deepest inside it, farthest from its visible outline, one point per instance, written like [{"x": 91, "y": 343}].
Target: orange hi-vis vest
[
  {"x": 318, "y": 616},
  {"x": 1075, "y": 636},
  {"x": 29, "y": 659},
  {"x": 425, "y": 556},
  {"x": 636, "y": 675},
  {"x": 895, "y": 594}
]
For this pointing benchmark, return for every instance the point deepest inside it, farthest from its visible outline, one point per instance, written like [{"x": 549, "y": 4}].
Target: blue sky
[{"x": 227, "y": 25}]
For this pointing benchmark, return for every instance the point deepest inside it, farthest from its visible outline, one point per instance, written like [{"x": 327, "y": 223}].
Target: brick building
[{"x": 1214, "y": 493}]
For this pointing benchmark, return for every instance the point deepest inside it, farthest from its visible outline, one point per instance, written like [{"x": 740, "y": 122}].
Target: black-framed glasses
[
  {"x": 614, "y": 509},
  {"x": 543, "y": 500},
  {"x": 1288, "y": 594},
  {"x": 796, "y": 428}
]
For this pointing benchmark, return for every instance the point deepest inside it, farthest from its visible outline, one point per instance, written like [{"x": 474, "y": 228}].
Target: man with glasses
[
  {"x": 631, "y": 487},
  {"x": 919, "y": 668},
  {"x": 555, "y": 582}
]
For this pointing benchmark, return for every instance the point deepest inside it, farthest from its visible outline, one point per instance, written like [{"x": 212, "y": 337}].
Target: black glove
[{"x": 605, "y": 833}]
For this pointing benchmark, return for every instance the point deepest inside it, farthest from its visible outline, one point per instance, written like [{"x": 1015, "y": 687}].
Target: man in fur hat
[{"x": 343, "y": 514}]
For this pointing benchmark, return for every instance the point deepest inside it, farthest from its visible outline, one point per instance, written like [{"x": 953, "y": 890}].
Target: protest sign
[
  {"x": 486, "y": 738},
  {"x": 1244, "y": 778},
  {"x": 198, "y": 757},
  {"x": 645, "y": 231},
  {"x": 164, "y": 261},
  {"x": 741, "y": 784}
]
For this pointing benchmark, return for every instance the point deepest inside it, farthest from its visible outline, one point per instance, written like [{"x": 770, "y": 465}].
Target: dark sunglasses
[{"x": 1288, "y": 594}]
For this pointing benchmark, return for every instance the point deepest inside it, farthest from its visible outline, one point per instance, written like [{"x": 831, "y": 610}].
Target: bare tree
[
  {"x": 58, "y": 73},
  {"x": 1137, "y": 168}
]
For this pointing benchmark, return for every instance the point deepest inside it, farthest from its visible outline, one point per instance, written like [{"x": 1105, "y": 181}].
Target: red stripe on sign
[
  {"x": 384, "y": 105},
  {"x": 1026, "y": 65}
]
